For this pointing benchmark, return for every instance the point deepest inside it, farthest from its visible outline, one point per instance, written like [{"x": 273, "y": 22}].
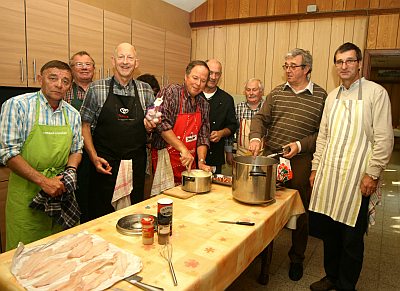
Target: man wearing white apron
[{"x": 354, "y": 145}]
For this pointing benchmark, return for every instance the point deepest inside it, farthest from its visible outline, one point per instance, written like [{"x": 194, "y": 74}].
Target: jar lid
[{"x": 147, "y": 220}]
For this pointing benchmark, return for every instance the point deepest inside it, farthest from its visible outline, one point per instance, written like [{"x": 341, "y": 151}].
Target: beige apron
[
  {"x": 336, "y": 191},
  {"x": 243, "y": 141}
]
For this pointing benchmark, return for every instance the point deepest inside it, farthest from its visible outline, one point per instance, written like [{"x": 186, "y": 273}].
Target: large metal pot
[
  {"x": 197, "y": 181},
  {"x": 254, "y": 179}
]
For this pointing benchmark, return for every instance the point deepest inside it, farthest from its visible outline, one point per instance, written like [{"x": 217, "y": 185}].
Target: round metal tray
[{"x": 131, "y": 225}]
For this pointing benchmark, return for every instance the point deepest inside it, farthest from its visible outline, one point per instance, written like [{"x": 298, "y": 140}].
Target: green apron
[{"x": 47, "y": 150}]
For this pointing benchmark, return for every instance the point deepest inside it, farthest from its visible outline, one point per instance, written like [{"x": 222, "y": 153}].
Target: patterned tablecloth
[{"x": 207, "y": 255}]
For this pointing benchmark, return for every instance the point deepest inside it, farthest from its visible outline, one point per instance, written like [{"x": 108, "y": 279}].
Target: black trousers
[
  {"x": 82, "y": 191},
  {"x": 344, "y": 248},
  {"x": 102, "y": 186},
  {"x": 301, "y": 167}
]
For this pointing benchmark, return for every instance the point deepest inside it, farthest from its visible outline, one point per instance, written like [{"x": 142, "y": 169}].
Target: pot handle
[
  {"x": 257, "y": 174},
  {"x": 187, "y": 179}
]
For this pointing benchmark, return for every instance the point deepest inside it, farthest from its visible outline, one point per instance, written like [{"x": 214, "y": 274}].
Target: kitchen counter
[{"x": 207, "y": 255}]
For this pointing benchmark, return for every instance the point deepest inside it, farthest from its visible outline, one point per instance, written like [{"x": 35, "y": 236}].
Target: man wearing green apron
[
  {"x": 40, "y": 135},
  {"x": 354, "y": 145}
]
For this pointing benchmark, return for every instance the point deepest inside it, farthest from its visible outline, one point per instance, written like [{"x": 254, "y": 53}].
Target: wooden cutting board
[{"x": 178, "y": 193}]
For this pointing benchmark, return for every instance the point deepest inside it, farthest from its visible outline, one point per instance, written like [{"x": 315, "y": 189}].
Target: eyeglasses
[
  {"x": 340, "y": 63},
  {"x": 291, "y": 66},
  {"x": 81, "y": 65}
]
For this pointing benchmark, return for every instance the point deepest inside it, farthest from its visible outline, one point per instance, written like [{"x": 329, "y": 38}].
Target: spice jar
[{"x": 147, "y": 230}]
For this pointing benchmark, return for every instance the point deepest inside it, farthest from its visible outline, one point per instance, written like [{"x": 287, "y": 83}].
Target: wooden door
[
  {"x": 177, "y": 57},
  {"x": 12, "y": 39},
  {"x": 117, "y": 29},
  {"x": 149, "y": 42},
  {"x": 47, "y": 34},
  {"x": 86, "y": 32}
]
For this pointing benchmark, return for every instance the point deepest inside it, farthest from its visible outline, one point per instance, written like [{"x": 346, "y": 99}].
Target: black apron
[{"x": 119, "y": 135}]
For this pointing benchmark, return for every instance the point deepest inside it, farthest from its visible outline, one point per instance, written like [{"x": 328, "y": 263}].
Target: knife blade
[
  {"x": 238, "y": 222},
  {"x": 135, "y": 280}
]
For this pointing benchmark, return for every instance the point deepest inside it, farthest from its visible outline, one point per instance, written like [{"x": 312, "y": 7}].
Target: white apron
[{"x": 336, "y": 191}]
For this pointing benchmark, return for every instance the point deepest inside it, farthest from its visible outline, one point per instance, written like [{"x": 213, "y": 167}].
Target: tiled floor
[{"x": 381, "y": 268}]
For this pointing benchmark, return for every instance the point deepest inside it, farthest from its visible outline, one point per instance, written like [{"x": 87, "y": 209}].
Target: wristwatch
[
  {"x": 202, "y": 161},
  {"x": 373, "y": 177}
]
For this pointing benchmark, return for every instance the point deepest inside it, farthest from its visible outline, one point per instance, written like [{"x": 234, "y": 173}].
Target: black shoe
[
  {"x": 322, "y": 285},
  {"x": 296, "y": 271}
]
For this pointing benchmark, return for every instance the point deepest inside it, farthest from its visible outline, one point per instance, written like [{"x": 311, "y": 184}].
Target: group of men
[{"x": 338, "y": 144}]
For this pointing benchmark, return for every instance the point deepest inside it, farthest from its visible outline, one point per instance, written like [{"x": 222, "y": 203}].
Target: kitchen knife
[
  {"x": 135, "y": 280},
  {"x": 238, "y": 222}
]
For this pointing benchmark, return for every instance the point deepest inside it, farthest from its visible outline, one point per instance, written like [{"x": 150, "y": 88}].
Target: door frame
[{"x": 368, "y": 53}]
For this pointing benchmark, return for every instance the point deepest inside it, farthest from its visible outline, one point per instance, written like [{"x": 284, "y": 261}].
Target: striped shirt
[
  {"x": 290, "y": 117},
  {"x": 18, "y": 117},
  {"x": 97, "y": 94},
  {"x": 170, "y": 109}
]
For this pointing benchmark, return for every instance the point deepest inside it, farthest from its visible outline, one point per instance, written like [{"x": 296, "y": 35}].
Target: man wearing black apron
[{"x": 114, "y": 129}]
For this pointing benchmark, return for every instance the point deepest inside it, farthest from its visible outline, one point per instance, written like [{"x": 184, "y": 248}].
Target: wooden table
[{"x": 207, "y": 255}]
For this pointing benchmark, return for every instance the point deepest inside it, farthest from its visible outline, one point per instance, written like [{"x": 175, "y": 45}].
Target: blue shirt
[{"x": 18, "y": 117}]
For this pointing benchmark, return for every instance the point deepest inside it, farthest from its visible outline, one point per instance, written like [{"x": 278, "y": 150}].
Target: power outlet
[{"x": 312, "y": 8}]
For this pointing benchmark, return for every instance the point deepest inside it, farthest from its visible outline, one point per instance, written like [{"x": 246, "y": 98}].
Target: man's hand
[
  {"x": 255, "y": 146},
  {"x": 204, "y": 167},
  {"x": 291, "y": 150},
  {"x": 368, "y": 185},
  {"x": 102, "y": 166},
  {"x": 150, "y": 125},
  {"x": 53, "y": 186},
  {"x": 229, "y": 158},
  {"x": 187, "y": 159},
  {"x": 312, "y": 178},
  {"x": 216, "y": 135}
]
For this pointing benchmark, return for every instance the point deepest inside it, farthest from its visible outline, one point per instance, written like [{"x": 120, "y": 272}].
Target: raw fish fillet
[
  {"x": 32, "y": 261},
  {"x": 96, "y": 250},
  {"x": 81, "y": 249},
  {"x": 56, "y": 274}
]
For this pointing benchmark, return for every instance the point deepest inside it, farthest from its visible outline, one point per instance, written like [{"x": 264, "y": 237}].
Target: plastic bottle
[{"x": 147, "y": 230}]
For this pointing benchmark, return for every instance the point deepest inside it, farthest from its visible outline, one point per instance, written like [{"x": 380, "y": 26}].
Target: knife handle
[
  {"x": 147, "y": 287},
  {"x": 245, "y": 223}
]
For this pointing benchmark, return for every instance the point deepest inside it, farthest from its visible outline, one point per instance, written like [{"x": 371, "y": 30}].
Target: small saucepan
[{"x": 197, "y": 181}]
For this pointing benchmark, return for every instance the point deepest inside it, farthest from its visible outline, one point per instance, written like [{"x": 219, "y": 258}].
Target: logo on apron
[
  {"x": 191, "y": 137},
  {"x": 124, "y": 110}
]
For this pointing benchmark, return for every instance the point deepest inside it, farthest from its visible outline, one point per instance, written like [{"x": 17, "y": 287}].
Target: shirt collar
[
  {"x": 352, "y": 86},
  {"x": 44, "y": 100},
  {"x": 258, "y": 107},
  {"x": 309, "y": 87}
]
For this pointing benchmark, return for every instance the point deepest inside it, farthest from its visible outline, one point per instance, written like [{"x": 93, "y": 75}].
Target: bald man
[
  {"x": 114, "y": 129},
  {"x": 222, "y": 116}
]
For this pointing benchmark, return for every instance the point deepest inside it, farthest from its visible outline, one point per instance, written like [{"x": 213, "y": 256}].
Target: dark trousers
[
  {"x": 82, "y": 191},
  {"x": 301, "y": 167},
  {"x": 344, "y": 248},
  {"x": 102, "y": 186}
]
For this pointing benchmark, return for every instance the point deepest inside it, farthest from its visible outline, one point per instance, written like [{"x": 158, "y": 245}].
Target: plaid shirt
[
  {"x": 80, "y": 93},
  {"x": 170, "y": 109},
  {"x": 97, "y": 94}
]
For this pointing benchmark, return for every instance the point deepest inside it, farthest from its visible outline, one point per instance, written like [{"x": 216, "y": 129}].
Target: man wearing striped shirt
[{"x": 290, "y": 117}]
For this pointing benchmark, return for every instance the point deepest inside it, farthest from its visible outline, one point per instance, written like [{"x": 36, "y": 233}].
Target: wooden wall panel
[
  {"x": 360, "y": 4},
  {"x": 201, "y": 12},
  {"x": 232, "y": 9},
  {"x": 348, "y": 29},
  {"x": 373, "y": 24},
  {"x": 243, "y": 59},
  {"x": 387, "y": 31},
  {"x": 244, "y": 8},
  {"x": 252, "y": 50},
  {"x": 360, "y": 31},
  {"x": 303, "y": 5},
  {"x": 320, "y": 50},
  {"x": 389, "y": 3},
  {"x": 219, "y": 9},
  {"x": 398, "y": 36},
  {"x": 269, "y": 58},
  {"x": 232, "y": 55},
  {"x": 252, "y": 8},
  {"x": 374, "y": 3},
  {"x": 338, "y": 4},
  {"x": 281, "y": 47},
  {"x": 324, "y": 5},
  {"x": 293, "y": 36},
  {"x": 305, "y": 34},
  {"x": 210, "y": 43},
  {"x": 220, "y": 50},
  {"x": 294, "y": 6},
  {"x": 262, "y": 6},
  {"x": 337, "y": 32},
  {"x": 194, "y": 44},
  {"x": 350, "y": 4},
  {"x": 271, "y": 7},
  {"x": 261, "y": 49},
  {"x": 202, "y": 44},
  {"x": 282, "y": 7},
  {"x": 210, "y": 9}
]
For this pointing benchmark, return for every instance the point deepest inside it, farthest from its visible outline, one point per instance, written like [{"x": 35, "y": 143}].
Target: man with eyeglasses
[
  {"x": 222, "y": 116},
  {"x": 290, "y": 117},
  {"x": 114, "y": 128},
  {"x": 82, "y": 66},
  {"x": 354, "y": 145}
]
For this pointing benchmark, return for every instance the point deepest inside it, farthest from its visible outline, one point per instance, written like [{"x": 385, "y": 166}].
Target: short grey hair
[
  {"x": 307, "y": 57},
  {"x": 260, "y": 84}
]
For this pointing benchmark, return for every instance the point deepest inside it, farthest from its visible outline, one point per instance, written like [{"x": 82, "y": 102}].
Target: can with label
[{"x": 164, "y": 213}]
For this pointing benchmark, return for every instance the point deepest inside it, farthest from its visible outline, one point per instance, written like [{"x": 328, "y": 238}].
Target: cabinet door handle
[
  {"x": 21, "y": 63},
  {"x": 34, "y": 70},
  {"x": 162, "y": 81}
]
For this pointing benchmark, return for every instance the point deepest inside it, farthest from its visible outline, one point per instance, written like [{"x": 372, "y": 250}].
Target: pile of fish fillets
[{"x": 81, "y": 261}]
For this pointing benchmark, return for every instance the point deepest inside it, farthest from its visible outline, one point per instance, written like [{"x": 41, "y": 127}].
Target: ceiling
[{"x": 187, "y": 5}]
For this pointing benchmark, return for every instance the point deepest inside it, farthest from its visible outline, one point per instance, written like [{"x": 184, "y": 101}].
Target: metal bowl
[{"x": 131, "y": 224}]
